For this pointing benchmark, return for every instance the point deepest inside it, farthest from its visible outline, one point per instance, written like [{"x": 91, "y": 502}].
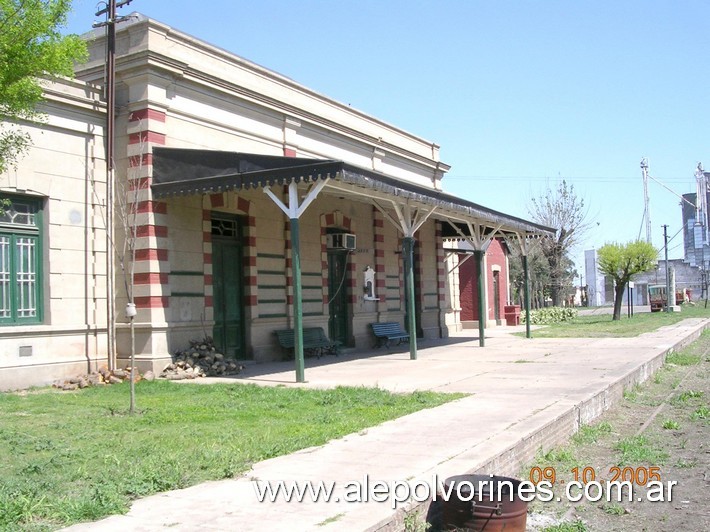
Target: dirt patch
[{"x": 660, "y": 431}]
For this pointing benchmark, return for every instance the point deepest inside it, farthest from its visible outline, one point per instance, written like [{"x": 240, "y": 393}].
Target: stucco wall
[{"x": 64, "y": 168}]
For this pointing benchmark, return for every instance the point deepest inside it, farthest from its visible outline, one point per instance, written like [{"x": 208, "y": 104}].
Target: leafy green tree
[
  {"x": 621, "y": 261},
  {"x": 563, "y": 210},
  {"x": 539, "y": 277},
  {"x": 31, "y": 47}
]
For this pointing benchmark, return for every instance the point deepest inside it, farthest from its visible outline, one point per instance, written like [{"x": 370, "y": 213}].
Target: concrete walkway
[{"x": 525, "y": 394}]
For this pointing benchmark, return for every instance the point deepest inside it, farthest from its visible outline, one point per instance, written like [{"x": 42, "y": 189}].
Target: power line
[{"x": 606, "y": 179}]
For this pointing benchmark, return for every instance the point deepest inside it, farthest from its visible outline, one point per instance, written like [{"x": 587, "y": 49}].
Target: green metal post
[
  {"x": 526, "y": 291},
  {"x": 478, "y": 255},
  {"x": 670, "y": 298},
  {"x": 408, "y": 250},
  {"x": 297, "y": 301}
]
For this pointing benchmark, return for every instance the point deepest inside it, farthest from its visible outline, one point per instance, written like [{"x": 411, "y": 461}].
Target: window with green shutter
[{"x": 20, "y": 261}]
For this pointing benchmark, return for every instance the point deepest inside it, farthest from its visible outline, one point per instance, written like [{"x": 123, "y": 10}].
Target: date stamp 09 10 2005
[{"x": 584, "y": 484}]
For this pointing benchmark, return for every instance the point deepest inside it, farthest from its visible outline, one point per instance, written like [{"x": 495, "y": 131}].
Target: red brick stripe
[
  {"x": 243, "y": 205},
  {"x": 145, "y": 159},
  {"x": 217, "y": 200},
  {"x": 146, "y": 114},
  {"x": 151, "y": 302},
  {"x": 160, "y": 231},
  {"x": 152, "y": 254},
  {"x": 150, "y": 278},
  {"x": 157, "y": 207}
]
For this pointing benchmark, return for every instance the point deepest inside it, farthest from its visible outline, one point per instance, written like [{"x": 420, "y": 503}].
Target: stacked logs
[
  {"x": 102, "y": 377},
  {"x": 201, "y": 359}
]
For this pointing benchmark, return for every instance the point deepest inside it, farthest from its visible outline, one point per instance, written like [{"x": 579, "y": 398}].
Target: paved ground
[{"x": 525, "y": 394}]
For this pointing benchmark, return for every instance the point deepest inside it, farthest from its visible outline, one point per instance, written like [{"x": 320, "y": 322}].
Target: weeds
[
  {"x": 637, "y": 450},
  {"x": 414, "y": 522},
  {"x": 682, "y": 358},
  {"x": 591, "y": 433},
  {"x": 701, "y": 413},
  {"x": 683, "y": 398},
  {"x": 670, "y": 424},
  {"x": 613, "y": 509},
  {"x": 686, "y": 464},
  {"x": 331, "y": 519},
  {"x": 561, "y": 455},
  {"x": 576, "y": 526},
  {"x": 631, "y": 394}
]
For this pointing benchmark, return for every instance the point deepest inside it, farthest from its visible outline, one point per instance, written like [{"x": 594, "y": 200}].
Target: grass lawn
[
  {"x": 600, "y": 326},
  {"x": 78, "y": 456}
]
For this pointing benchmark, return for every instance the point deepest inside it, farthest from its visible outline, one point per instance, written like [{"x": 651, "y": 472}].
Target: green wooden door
[
  {"x": 227, "y": 282},
  {"x": 337, "y": 290}
]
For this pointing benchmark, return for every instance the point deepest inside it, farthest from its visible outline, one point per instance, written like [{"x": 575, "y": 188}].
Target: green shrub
[{"x": 550, "y": 315}]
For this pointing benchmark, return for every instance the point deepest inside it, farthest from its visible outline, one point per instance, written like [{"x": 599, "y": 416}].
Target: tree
[
  {"x": 538, "y": 276},
  {"x": 31, "y": 47},
  {"x": 562, "y": 210},
  {"x": 620, "y": 262},
  {"x": 126, "y": 222}
]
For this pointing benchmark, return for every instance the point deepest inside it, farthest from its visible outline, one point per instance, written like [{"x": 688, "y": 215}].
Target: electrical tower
[{"x": 646, "y": 207}]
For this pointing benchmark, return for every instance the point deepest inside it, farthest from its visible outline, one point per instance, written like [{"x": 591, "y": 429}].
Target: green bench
[
  {"x": 387, "y": 331},
  {"x": 315, "y": 341}
]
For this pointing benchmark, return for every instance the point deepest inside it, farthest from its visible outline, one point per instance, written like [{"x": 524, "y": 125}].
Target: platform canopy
[{"x": 179, "y": 172}]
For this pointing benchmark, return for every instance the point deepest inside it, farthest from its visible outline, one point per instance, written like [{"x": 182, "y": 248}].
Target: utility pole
[
  {"x": 110, "y": 94},
  {"x": 668, "y": 276},
  {"x": 646, "y": 206}
]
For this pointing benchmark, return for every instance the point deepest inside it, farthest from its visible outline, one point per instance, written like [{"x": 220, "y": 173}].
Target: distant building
[
  {"x": 686, "y": 273},
  {"x": 595, "y": 280},
  {"x": 696, "y": 239}
]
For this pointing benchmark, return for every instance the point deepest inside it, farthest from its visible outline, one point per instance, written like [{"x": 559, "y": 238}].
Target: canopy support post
[
  {"x": 408, "y": 252},
  {"x": 526, "y": 281},
  {"x": 294, "y": 212},
  {"x": 408, "y": 221},
  {"x": 480, "y": 254}
]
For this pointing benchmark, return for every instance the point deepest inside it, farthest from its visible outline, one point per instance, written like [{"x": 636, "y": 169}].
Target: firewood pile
[
  {"x": 102, "y": 377},
  {"x": 201, "y": 359}
]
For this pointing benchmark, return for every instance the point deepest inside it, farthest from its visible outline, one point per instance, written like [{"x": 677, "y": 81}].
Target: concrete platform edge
[{"x": 556, "y": 432}]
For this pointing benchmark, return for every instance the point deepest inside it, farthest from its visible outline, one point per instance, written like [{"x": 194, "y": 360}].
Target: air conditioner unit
[{"x": 341, "y": 241}]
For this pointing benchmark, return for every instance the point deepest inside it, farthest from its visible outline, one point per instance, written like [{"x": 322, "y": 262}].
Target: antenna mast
[{"x": 646, "y": 209}]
